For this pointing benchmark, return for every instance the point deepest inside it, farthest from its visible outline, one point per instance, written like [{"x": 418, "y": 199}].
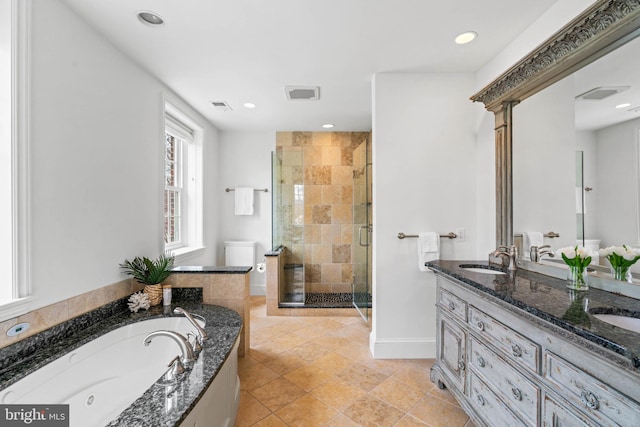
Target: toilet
[{"x": 239, "y": 254}]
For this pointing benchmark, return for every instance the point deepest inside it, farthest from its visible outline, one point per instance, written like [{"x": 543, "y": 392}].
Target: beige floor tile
[
  {"x": 409, "y": 421},
  {"x": 438, "y": 413},
  {"x": 338, "y": 394},
  {"x": 283, "y": 363},
  {"x": 250, "y": 411},
  {"x": 415, "y": 377},
  {"x": 340, "y": 421},
  {"x": 255, "y": 376},
  {"x": 270, "y": 421},
  {"x": 277, "y": 393},
  {"x": 318, "y": 371},
  {"x": 361, "y": 376},
  {"x": 306, "y": 412},
  {"x": 369, "y": 411},
  {"x": 397, "y": 394},
  {"x": 308, "y": 377},
  {"x": 332, "y": 362}
]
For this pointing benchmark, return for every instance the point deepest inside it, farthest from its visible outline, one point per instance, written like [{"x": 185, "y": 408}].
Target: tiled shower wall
[{"x": 317, "y": 205}]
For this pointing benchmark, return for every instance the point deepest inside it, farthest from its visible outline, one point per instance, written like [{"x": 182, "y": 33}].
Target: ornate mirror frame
[{"x": 603, "y": 27}]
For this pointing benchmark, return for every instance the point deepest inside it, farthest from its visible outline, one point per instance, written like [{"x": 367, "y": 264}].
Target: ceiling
[{"x": 241, "y": 51}]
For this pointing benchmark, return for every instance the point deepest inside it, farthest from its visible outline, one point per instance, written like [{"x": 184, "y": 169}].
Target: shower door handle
[{"x": 360, "y": 235}]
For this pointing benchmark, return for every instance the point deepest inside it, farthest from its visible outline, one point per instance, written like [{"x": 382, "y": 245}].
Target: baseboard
[{"x": 402, "y": 348}]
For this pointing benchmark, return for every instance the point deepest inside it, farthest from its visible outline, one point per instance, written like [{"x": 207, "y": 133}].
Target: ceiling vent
[
  {"x": 221, "y": 106},
  {"x": 302, "y": 93},
  {"x": 598, "y": 93}
]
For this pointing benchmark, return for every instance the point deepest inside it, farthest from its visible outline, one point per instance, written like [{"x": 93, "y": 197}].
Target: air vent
[
  {"x": 302, "y": 93},
  {"x": 221, "y": 106},
  {"x": 598, "y": 93}
]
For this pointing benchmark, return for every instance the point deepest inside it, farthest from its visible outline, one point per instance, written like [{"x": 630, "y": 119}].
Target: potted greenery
[{"x": 151, "y": 273}]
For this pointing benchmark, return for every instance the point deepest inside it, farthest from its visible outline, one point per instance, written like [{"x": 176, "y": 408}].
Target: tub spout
[
  {"x": 202, "y": 334},
  {"x": 185, "y": 347}
]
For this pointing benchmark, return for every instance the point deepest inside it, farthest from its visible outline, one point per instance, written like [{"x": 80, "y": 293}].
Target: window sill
[
  {"x": 183, "y": 254},
  {"x": 15, "y": 308}
]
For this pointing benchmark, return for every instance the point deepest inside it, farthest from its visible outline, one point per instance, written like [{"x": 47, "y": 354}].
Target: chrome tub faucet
[
  {"x": 187, "y": 357},
  {"x": 510, "y": 252}
]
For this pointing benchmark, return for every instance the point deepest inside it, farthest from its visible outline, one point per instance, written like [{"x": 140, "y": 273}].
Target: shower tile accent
[{"x": 317, "y": 199}]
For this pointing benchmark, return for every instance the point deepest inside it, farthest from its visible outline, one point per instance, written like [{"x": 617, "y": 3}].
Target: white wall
[
  {"x": 617, "y": 189},
  {"x": 245, "y": 161},
  {"x": 424, "y": 168},
  {"x": 96, "y": 159}
]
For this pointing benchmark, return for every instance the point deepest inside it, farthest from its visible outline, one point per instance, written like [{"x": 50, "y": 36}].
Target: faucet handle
[
  {"x": 175, "y": 368},
  {"x": 197, "y": 346},
  {"x": 544, "y": 246}
]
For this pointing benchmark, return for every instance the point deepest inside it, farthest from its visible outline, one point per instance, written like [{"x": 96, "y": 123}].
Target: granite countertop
[
  {"x": 549, "y": 299},
  {"x": 211, "y": 269},
  {"x": 223, "y": 326}
]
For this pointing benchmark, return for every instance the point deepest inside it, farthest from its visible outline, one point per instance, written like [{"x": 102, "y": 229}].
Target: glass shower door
[{"x": 362, "y": 228}]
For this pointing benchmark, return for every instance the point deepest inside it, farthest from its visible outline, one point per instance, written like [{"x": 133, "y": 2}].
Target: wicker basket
[{"x": 155, "y": 294}]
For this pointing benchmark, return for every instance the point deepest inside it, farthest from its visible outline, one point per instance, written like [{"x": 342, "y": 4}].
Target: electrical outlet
[{"x": 460, "y": 234}]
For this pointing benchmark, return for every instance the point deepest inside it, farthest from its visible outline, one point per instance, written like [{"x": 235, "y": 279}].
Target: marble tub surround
[
  {"x": 223, "y": 327},
  {"x": 548, "y": 299},
  {"x": 224, "y": 286},
  {"x": 47, "y": 317}
]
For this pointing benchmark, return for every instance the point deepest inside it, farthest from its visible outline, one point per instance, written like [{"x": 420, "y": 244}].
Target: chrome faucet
[
  {"x": 202, "y": 334},
  {"x": 537, "y": 252},
  {"x": 187, "y": 356},
  {"x": 507, "y": 251}
]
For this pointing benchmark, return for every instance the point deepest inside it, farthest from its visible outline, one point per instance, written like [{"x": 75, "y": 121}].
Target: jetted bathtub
[{"x": 116, "y": 372}]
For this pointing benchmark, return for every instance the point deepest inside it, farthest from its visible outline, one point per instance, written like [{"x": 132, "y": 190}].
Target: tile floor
[{"x": 317, "y": 371}]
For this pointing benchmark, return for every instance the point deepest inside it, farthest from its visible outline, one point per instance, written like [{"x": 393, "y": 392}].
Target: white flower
[
  {"x": 569, "y": 252},
  {"x": 606, "y": 251}
]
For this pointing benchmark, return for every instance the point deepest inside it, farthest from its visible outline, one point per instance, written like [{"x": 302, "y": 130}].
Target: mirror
[
  {"x": 600, "y": 29},
  {"x": 575, "y": 155}
]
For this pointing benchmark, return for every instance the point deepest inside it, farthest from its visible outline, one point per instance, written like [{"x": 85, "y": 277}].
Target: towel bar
[
  {"x": 266, "y": 190},
  {"x": 550, "y": 234},
  {"x": 450, "y": 235}
]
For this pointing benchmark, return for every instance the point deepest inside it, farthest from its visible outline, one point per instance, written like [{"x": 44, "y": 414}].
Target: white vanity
[{"x": 521, "y": 349}]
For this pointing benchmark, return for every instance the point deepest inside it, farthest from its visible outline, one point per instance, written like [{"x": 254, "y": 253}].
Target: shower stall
[{"x": 322, "y": 218}]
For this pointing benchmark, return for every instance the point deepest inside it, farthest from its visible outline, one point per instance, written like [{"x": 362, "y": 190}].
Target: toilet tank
[{"x": 237, "y": 253}]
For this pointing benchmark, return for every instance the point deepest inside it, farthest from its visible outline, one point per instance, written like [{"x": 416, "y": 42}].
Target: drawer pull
[
  {"x": 516, "y": 350},
  {"x": 461, "y": 365},
  {"x": 589, "y": 399},
  {"x": 517, "y": 394},
  {"x": 480, "y": 399},
  {"x": 481, "y": 325},
  {"x": 481, "y": 362},
  {"x": 452, "y": 306}
]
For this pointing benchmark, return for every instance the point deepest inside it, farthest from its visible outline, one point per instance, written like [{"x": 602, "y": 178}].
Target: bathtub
[{"x": 116, "y": 377}]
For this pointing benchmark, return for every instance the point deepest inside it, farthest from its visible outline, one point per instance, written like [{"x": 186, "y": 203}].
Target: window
[
  {"x": 14, "y": 147},
  {"x": 182, "y": 183}
]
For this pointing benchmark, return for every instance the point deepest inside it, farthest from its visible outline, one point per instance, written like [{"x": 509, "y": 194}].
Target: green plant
[{"x": 148, "y": 271}]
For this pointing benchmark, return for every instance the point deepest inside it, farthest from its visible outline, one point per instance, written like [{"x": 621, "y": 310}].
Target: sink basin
[
  {"x": 480, "y": 269},
  {"x": 625, "y": 322}
]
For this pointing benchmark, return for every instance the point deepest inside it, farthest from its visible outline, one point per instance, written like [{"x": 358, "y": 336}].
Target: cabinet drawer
[
  {"x": 561, "y": 415},
  {"x": 453, "y": 305},
  {"x": 600, "y": 400},
  {"x": 512, "y": 344},
  {"x": 518, "y": 392},
  {"x": 488, "y": 406}
]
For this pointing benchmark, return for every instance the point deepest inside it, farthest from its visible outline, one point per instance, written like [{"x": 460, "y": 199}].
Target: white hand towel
[
  {"x": 531, "y": 238},
  {"x": 244, "y": 201},
  {"x": 428, "y": 248}
]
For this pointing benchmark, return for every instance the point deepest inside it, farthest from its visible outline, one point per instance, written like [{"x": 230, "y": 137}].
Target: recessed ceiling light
[
  {"x": 466, "y": 37},
  {"x": 150, "y": 18},
  {"x": 623, "y": 105},
  {"x": 328, "y": 125},
  {"x": 249, "y": 105}
]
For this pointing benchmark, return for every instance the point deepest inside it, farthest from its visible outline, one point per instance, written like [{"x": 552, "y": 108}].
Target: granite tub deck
[
  {"x": 223, "y": 327},
  {"x": 548, "y": 299}
]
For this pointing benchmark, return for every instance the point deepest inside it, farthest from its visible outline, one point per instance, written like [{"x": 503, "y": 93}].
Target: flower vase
[
  {"x": 620, "y": 272},
  {"x": 577, "y": 278}
]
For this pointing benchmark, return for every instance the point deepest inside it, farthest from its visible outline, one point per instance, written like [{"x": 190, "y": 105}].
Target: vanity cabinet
[{"x": 508, "y": 367}]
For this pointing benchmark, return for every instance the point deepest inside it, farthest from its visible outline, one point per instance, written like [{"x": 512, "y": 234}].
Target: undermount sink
[
  {"x": 624, "y": 322},
  {"x": 481, "y": 269}
]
